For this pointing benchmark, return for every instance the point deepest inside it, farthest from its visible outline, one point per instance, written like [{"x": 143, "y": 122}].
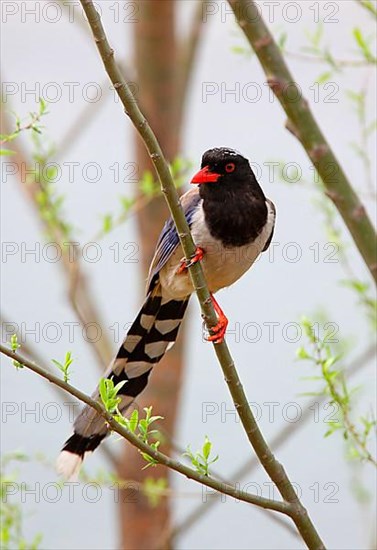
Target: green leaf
[
  {"x": 50, "y": 173},
  {"x": 363, "y": 45},
  {"x": 154, "y": 490},
  {"x": 330, "y": 362},
  {"x": 133, "y": 421},
  {"x": 42, "y": 106},
  {"x": 118, "y": 387},
  {"x": 14, "y": 347},
  {"x": 6, "y": 152},
  {"x": 324, "y": 77},
  {"x": 176, "y": 166},
  {"x": 282, "y": 40},
  {"x": 370, "y": 6},
  {"x": 206, "y": 448},
  {"x": 200, "y": 461},
  {"x": 64, "y": 368},
  {"x": 103, "y": 390},
  {"x": 154, "y": 418},
  {"x": 359, "y": 286},
  {"x": 14, "y": 342},
  {"x": 147, "y": 184},
  {"x": 301, "y": 353},
  {"x": 239, "y": 50},
  {"x": 107, "y": 223},
  {"x": 127, "y": 203}
]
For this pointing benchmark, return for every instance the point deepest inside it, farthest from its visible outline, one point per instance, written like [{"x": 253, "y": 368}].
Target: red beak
[{"x": 205, "y": 176}]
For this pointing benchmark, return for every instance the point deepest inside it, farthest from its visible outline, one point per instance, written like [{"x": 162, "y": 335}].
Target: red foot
[
  {"x": 185, "y": 264},
  {"x": 219, "y": 330}
]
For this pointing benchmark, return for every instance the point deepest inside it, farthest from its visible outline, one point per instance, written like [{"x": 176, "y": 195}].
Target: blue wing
[{"x": 169, "y": 240}]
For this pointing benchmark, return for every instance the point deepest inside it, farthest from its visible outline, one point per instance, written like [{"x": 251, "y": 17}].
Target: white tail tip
[{"x": 68, "y": 465}]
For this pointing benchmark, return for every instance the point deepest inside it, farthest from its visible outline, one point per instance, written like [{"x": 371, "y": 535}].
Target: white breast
[{"x": 222, "y": 266}]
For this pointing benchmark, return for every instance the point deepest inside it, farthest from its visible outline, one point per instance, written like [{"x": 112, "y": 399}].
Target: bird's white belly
[{"x": 222, "y": 266}]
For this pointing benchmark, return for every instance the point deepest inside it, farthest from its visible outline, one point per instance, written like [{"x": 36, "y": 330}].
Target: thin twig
[
  {"x": 369, "y": 6},
  {"x": 337, "y": 62},
  {"x": 34, "y": 356},
  {"x": 344, "y": 407},
  {"x": 273, "y": 468},
  {"x": 278, "y": 441},
  {"x": 78, "y": 292}
]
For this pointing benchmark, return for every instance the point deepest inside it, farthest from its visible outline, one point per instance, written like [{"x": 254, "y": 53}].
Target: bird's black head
[{"x": 225, "y": 172}]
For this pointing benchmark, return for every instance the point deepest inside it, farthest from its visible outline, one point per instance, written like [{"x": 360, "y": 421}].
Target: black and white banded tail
[{"x": 153, "y": 332}]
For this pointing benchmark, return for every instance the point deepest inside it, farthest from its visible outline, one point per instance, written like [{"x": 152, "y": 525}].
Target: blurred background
[{"x": 200, "y": 86}]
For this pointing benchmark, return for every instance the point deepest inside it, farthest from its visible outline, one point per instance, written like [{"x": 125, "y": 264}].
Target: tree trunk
[{"x": 143, "y": 527}]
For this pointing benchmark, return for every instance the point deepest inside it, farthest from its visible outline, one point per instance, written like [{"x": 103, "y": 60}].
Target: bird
[{"x": 232, "y": 223}]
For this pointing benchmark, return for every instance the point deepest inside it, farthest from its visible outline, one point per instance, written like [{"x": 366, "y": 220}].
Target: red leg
[
  {"x": 185, "y": 264},
  {"x": 219, "y": 330}
]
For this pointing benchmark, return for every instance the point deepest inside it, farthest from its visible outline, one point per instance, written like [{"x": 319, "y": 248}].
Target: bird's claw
[
  {"x": 219, "y": 330},
  {"x": 185, "y": 264}
]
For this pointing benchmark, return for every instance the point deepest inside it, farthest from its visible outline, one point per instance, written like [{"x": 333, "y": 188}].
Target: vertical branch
[{"x": 304, "y": 126}]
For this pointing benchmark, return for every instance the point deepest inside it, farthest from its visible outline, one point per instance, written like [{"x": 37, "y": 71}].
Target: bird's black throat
[{"x": 234, "y": 214}]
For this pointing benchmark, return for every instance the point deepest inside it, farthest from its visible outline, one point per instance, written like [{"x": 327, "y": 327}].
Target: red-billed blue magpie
[{"x": 231, "y": 222}]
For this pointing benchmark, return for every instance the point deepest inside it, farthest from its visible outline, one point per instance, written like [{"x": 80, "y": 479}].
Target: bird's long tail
[{"x": 150, "y": 336}]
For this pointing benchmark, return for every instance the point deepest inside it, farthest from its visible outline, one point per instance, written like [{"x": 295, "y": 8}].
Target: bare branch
[
  {"x": 34, "y": 356},
  {"x": 78, "y": 291},
  {"x": 283, "y": 507}
]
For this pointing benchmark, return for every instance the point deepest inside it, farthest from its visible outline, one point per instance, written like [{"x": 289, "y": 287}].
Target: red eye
[{"x": 230, "y": 167}]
